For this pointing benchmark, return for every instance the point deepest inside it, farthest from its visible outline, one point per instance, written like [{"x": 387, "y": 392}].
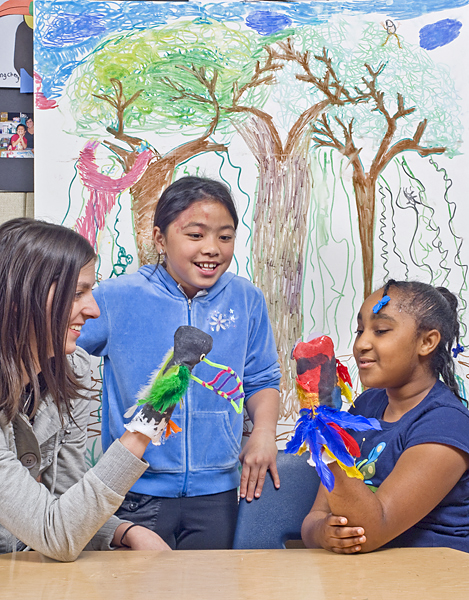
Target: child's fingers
[
  {"x": 347, "y": 545},
  {"x": 248, "y": 482},
  {"x": 243, "y": 486},
  {"x": 261, "y": 474},
  {"x": 274, "y": 473},
  {"x": 252, "y": 482},
  {"x": 336, "y": 520}
]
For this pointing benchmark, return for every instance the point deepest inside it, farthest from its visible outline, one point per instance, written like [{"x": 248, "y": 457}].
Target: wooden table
[{"x": 400, "y": 574}]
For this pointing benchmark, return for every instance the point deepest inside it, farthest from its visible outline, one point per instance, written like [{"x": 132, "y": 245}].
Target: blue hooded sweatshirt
[{"x": 139, "y": 315}]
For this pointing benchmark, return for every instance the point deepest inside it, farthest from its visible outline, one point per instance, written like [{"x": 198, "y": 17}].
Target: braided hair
[{"x": 432, "y": 308}]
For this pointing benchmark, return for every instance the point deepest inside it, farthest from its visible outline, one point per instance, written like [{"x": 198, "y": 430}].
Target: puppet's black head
[{"x": 190, "y": 346}]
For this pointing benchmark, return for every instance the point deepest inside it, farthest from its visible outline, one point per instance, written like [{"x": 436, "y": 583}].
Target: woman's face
[{"x": 83, "y": 307}]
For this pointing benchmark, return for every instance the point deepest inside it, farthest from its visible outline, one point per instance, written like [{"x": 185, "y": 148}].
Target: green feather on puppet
[{"x": 166, "y": 391}]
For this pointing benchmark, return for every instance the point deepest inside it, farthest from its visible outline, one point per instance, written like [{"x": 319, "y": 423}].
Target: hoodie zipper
[{"x": 186, "y": 416}]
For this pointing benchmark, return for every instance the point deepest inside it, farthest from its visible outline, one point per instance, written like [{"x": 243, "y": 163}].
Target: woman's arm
[
  {"x": 138, "y": 537},
  {"x": 60, "y": 527},
  {"x": 260, "y": 451},
  {"x": 415, "y": 486}
]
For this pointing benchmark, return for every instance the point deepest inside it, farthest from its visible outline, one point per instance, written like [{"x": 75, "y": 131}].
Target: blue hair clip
[
  {"x": 459, "y": 348},
  {"x": 377, "y": 307}
]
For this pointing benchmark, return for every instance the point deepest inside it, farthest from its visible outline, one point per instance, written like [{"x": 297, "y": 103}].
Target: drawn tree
[
  {"x": 132, "y": 84},
  {"x": 408, "y": 100},
  {"x": 284, "y": 193}
]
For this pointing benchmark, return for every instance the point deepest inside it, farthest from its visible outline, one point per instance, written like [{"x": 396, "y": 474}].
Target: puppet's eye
[{"x": 202, "y": 356}]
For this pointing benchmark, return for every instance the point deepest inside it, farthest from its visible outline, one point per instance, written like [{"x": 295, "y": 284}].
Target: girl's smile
[{"x": 198, "y": 245}]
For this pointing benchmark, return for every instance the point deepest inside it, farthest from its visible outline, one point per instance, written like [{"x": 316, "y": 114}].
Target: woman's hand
[
  {"x": 338, "y": 537},
  {"x": 258, "y": 455},
  {"x": 137, "y": 537}
]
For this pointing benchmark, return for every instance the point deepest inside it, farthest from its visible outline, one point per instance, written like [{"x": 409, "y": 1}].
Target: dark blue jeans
[{"x": 188, "y": 523}]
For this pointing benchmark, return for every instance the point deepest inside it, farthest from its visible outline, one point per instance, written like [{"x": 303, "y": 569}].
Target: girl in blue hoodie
[{"x": 188, "y": 495}]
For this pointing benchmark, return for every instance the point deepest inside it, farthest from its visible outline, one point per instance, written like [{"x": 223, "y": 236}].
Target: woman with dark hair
[{"x": 47, "y": 501}]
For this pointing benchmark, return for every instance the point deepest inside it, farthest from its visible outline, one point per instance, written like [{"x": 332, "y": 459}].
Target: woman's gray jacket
[{"x": 70, "y": 509}]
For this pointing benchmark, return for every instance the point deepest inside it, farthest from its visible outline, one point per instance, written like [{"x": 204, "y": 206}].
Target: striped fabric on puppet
[{"x": 321, "y": 382}]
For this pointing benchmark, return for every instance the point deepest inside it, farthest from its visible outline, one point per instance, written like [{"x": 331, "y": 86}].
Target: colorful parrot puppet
[
  {"x": 321, "y": 382},
  {"x": 169, "y": 384}
]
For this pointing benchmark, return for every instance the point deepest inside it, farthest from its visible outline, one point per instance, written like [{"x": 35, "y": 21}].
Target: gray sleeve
[{"x": 60, "y": 527}]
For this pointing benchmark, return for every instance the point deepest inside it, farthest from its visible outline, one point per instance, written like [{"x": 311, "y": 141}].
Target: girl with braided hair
[{"x": 416, "y": 479}]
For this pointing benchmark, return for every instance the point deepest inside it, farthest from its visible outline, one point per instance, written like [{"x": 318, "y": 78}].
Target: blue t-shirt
[{"x": 439, "y": 418}]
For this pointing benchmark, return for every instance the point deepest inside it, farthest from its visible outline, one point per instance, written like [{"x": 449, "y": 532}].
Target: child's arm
[
  {"x": 260, "y": 451},
  {"x": 322, "y": 529},
  {"x": 422, "y": 477}
]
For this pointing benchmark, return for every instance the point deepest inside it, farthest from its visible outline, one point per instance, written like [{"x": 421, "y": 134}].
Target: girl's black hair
[
  {"x": 184, "y": 192},
  {"x": 433, "y": 308},
  {"x": 34, "y": 258}
]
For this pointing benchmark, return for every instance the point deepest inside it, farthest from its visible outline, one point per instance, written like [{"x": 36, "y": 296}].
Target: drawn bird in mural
[
  {"x": 23, "y": 54},
  {"x": 170, "y": 382},
  {"x": 321, "y": 382},
  {"x": 391, "y": 29}
]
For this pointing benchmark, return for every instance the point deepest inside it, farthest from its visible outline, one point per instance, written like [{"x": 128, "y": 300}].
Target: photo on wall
[{"x": 16, "y": 135}]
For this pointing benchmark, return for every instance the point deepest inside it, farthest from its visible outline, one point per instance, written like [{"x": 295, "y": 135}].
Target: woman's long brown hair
[{"x": 34, "y": 256}]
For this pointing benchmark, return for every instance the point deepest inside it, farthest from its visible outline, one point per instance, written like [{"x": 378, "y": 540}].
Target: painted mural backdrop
[{"x": 339, "y": 127}]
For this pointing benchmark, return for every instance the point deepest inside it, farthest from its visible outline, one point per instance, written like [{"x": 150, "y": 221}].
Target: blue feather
[
  {"x": 325, "y": 474},
  {"x": 313, "y": 427},
  {"x": 335, "y": 443},
  {"x": 346, "y": 420}
]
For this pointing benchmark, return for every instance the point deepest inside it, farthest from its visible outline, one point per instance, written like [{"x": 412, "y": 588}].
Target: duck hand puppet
[
  {"x": 321, "y": 382},
  {"x": 169, "y": 383}
]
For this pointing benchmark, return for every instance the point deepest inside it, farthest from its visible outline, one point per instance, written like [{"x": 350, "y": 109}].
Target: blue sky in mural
[
  {"x": 66, "y": 32},
  {"x": 439, "y": 34}
]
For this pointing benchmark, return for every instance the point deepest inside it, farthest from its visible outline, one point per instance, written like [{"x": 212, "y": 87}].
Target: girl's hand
[
  {"x": 258, "y": 455},
  {"x": 339, "y": 538},
  {"x": 139, "y": 538}
]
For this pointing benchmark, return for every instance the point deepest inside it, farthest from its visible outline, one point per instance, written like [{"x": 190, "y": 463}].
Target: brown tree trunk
[
  {"x": 148, "y": 189},
  {"x": 364, "y": 188},
  {"x": 278, "y": 240}
]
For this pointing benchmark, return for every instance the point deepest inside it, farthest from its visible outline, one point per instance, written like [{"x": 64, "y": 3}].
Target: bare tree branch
[
  {"x": 323, "y": 129},
  {"x": 330, "y": 84},
  {"x": 258, "y": 78}
]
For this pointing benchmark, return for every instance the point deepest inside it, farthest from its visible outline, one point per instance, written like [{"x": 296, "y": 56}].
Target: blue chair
[{"x": 277, "y": 516}]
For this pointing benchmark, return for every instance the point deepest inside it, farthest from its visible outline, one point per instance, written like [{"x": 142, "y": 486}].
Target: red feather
[
  {"x": 348, "y": 440},
  {"x": 343, "y": 373}
]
